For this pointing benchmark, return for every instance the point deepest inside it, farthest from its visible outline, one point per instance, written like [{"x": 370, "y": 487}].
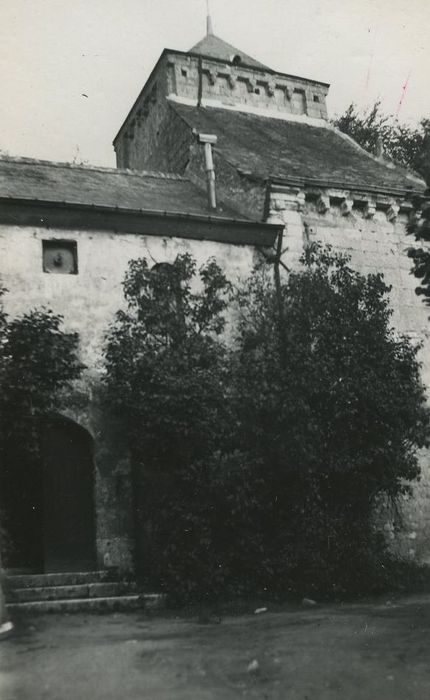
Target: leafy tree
[
  {"x": 38, "y": 362},
  {"x": 261, "y": 469},
  {"x": 372, "y": 129},
  {"x": 166, "y": 383},
  {"x": 332, "y": 412},
  {"x": 419, "y": 226}
]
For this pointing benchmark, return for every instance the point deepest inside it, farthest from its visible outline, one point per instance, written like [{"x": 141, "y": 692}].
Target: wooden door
[
  {"x": 68, "y": 478},
  {"x": 21, "y": 511}
]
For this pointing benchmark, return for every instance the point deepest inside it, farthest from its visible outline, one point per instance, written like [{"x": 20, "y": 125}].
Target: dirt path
[{"x": 350, "y": 652}]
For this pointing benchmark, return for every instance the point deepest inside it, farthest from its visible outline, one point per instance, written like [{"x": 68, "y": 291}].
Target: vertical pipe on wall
[{"x": 208, "y": 140}]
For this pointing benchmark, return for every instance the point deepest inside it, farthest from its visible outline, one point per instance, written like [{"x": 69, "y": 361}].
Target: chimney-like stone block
[
  {"x": 323, "y": 203},
  {"x": 392, "y": 212},
  {"x": 369, "y": 210},
  {"x": 346, "y": 206}
]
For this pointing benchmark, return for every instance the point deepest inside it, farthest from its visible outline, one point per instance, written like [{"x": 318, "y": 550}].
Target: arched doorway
[
  {"x": 68, "y": 496},
  {"x": 48, "y": 504}
]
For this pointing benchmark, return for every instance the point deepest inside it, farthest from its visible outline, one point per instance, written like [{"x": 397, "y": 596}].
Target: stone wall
[
  {"x": 145, "y": 115},
  {"x": 236, "y": 84},
  {"x": 88, "y": 301},
  {"x": 162, "y": 143},
  {"x": 372, "y": 230}
]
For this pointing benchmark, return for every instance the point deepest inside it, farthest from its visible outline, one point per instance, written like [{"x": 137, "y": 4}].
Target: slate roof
[
  {"x": 291, "y": 150},
  {"x": 28, "y": 179},
  {"x": 215, "y": 47}
]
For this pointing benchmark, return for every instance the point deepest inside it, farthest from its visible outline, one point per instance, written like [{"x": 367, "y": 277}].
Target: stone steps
[
  {"x": 68, "y": 578},
  {"x": 83, "y": 590},
  {"x": 94, "y": 591},
  {"x": 89, "y": 605}
]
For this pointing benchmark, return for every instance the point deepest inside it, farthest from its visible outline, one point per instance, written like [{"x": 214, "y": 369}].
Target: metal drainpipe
[{"x": 209, "y": 140}]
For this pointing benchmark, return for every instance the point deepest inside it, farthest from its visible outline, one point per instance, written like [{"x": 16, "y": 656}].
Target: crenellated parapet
[
  {"x": 348, "y": 204},
  {"x": 239, "y": 84}
]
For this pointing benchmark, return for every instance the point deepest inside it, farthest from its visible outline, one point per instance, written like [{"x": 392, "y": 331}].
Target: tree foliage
[
  {"x": 419, "y": 227},
  {"x": 262, "y": 467},
  {"x": 38, "y": 362},
  {"x": 165, "y": 362},
  {"x": 406, "y": 145},
  {"x": 166, "y": 382},
  {"x": 333, "y": 409}
]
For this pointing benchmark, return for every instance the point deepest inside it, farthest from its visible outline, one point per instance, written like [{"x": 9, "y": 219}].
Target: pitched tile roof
[
  {"x": 215, "y": 47},
  {"x": 285, "y": 149},
  {"x": 28, "y": 179}
]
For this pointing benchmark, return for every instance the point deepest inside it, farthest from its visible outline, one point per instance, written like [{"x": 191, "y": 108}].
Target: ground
[{"x": 377, "y": 650}]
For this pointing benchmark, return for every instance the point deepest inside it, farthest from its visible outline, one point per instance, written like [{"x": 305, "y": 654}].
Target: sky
[{"x": 71, "y": 69}]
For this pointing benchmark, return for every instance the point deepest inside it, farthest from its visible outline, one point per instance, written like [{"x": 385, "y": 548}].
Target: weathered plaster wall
[
  {"x": 89, "y": 299},
  {"x": 88, "y": 302},
  {"x": 373, "y": 232}
]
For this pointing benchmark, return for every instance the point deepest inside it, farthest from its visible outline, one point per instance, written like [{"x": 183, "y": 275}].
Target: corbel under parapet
[
  {"x": 392, "y": 212},
  {"x": 346, "y": 206},
  {"x": 369, "y": 209},
  {"x": 300, "y": 200},
  {"x": 291, "y": 198},
  {"x": 323, "y": 203},
  {"x": 415, "y": 217},
  {"x": 271, "y": 88}
]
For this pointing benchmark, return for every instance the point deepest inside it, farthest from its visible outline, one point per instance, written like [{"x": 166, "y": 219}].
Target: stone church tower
[
  {"x": 213, "y": 73},
  {"x": 278, "y": 159}
]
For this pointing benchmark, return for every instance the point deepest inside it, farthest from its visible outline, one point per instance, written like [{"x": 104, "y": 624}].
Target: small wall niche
[{"x": 60, "y": 257}]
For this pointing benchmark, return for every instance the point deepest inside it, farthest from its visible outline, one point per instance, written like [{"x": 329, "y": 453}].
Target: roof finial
[{"x": 209, "y": 28}]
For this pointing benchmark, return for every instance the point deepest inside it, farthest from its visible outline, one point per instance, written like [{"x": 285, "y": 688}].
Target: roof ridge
[
  {"x": 226, "y": 43},
  {"x": 100, "y": 168},
  {"x": 390, "y": 165},
  {"x": 210, "y": 40}
]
